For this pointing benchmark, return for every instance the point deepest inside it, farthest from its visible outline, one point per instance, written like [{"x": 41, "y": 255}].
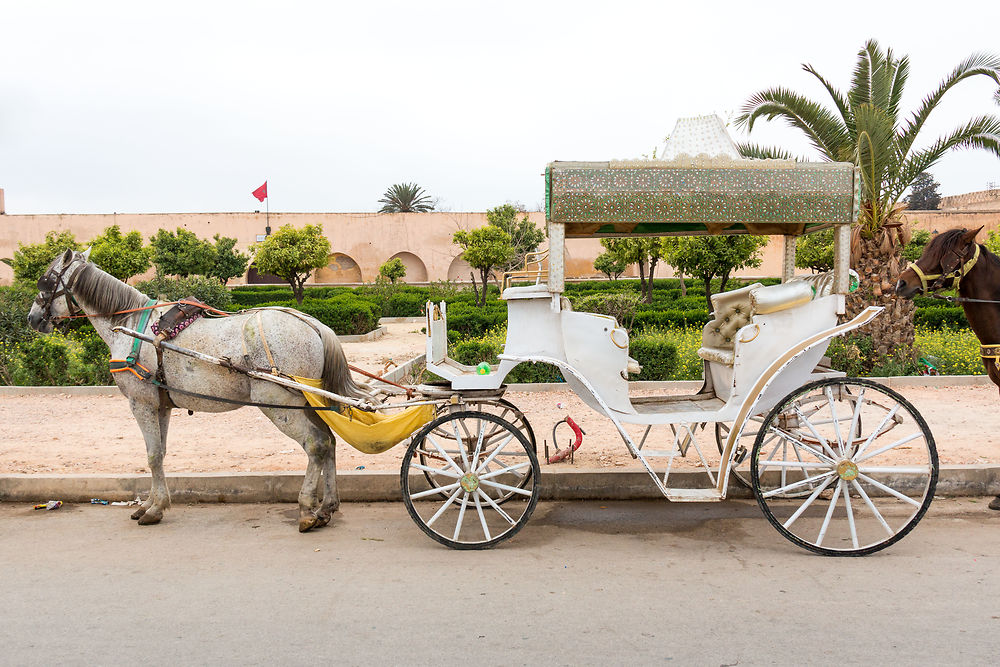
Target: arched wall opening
[
  {"x": 416, "y": 270},
  {"x": 340, "y": 268},
  {"x": 459, "y": 270}
]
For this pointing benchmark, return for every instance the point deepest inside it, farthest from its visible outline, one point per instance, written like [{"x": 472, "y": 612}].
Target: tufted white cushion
[
  {"x": 773, "y": 298},
  {"x": 732, "y": 312}
]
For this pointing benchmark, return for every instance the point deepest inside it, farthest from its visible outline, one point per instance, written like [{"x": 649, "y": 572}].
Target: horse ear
[
  {"x": 86, "y": 253},
  {"x": 67, "y": 256},
  {"x": 970, "y": 235}
]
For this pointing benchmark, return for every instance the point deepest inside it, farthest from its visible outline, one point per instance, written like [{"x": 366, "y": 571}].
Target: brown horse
[{"x": 954, "y": 259}]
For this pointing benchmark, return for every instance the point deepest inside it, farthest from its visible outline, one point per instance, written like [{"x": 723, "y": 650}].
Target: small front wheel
[
  {"x": 477, "y": 461},
  {"x": 864, "y": 453}
]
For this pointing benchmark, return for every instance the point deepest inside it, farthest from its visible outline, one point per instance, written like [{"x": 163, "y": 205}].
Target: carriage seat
[{"x": 733, "y": 311}]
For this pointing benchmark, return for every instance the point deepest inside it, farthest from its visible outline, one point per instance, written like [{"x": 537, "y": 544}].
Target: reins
[{"x": 939, "y": 278}]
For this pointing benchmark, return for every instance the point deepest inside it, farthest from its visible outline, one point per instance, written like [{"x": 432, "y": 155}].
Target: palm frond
[
  {"x": 824, "y": 129},
  {"x": 869, "y": 59},
  {"x": 982, "y": 132},
  {"x": 978, "y": 64},
  {"x": 900, "y": 75},
  {"x": 758, "y": 152},
  {"x": 877, "y": 151},
  {"x": 838, "y": 98}
]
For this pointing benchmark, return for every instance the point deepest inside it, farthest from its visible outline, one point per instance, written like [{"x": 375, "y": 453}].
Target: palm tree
[
  {"x": 406, "y": 198},
  {"x": 867, "y": 127}
]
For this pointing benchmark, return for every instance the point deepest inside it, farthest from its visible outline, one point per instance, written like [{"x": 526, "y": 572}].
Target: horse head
[
  {"x": 947, "y": 258},
  {"x": 56, "y": 282}
]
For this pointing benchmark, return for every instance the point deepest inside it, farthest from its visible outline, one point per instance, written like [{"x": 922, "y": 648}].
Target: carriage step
[
  {"x": 653, "y": 453},
  {"x": 693, "y": 495}
]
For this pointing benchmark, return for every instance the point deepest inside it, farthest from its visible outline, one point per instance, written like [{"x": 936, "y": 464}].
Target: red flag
[{"x": 261, "y": 192}]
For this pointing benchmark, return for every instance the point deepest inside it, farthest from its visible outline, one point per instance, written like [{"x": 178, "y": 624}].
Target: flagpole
[{"x": 267, "y": 215}]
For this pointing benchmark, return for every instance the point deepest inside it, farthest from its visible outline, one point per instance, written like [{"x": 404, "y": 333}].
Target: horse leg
[
  {"x": 331, "y": 500},
  {"x": 153, "y": 422}
]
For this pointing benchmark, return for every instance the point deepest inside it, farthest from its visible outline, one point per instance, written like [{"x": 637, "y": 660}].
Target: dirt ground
[{"x": 96, "y": 434}]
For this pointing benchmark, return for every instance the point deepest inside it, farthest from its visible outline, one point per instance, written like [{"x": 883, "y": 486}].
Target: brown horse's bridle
[{"x": 958, "y": 273}]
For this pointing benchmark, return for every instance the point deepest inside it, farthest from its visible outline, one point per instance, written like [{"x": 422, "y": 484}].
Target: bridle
[
  {"x": 959, "y": 272},
  {"x": 52, "y": 287}
]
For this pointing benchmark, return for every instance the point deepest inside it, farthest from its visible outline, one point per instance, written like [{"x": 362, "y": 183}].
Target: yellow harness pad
[{"x": 368, "y": 432}]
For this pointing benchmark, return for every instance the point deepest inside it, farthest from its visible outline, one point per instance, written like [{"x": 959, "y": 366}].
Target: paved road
[{"x": 584, "y": 583}]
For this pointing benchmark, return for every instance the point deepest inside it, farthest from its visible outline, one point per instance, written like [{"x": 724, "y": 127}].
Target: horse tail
[{"x": 336, "y": 374}]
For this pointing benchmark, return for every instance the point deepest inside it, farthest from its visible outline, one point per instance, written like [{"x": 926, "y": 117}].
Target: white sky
[{"x": 136, "y": 107}]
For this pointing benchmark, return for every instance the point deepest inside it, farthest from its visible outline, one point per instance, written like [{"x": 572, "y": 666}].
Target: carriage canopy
[{"x": 702, "y": 186}]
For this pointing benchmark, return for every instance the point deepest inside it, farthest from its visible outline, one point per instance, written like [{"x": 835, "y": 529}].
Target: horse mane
[{"x": 104, "y": 292}]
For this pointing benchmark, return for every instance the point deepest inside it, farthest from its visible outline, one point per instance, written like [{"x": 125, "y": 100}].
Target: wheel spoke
[
  {"x": 482, "y": 517},
  {"x": 901, "y": 441},
  {"x": 500, "y": 471},
  {"x": 815, "y": 452},
  {"x": 436, "y": 489},
  {"x": 496, "y": 451},
  {"x": 444, "y": 506},
  {"x": 479, "y": 446},
  {"x": 871, "y": 506},
  {"x": 829, "y": 513},
  {"x": 836, "y": 422},
  {"x": 850, "y": 516},
  {"x": 856, "y": 417},
  {"x": 889, "y": 415},
  {"x": 461, "y": 515},
  {"x": 486, "y": 497},
  {"x": 807, "y": 503},
  {"x": 443, "y": 453},
  {"x": 812, "y": 429},
  {"x": 793, "y": 485},
  {"x": 879, "y": 485},
  {"x": 435, "y": 471},
  {"x": 504, "y": 487}
]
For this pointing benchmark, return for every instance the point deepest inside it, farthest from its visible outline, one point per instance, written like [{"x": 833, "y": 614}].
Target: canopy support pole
[
  {"x": 557, "y": 262},
  {"x": 788, "y": 259},
  {"x": 841, "y": 259}
]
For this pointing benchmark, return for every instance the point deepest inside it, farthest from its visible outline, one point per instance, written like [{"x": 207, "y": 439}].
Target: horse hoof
[
  {"x": 148, "y": 519},
  {"x": 995, "y": 503},
  {"x": 136, "y": 515},
  {"x": 323, "y": 519}
]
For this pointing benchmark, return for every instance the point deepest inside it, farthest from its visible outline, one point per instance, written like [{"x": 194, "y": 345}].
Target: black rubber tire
[
  {"x": 863, "y": 551},
  {"x": 534, "y": 476}
]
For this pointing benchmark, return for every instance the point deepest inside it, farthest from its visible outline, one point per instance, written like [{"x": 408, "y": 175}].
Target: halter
[
  {"x": 939, "y": 278},
  {"x": 56, "y": 287}
]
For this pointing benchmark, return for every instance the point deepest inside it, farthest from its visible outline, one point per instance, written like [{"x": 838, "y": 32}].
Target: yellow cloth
[{"x": 369, "y": 432}]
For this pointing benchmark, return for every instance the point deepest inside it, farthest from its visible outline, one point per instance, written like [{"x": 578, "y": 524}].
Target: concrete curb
[
  {"x": 375, "y": 334},
  {"x": 690, "y": 385},
  {"x": 357, "y": 486}
]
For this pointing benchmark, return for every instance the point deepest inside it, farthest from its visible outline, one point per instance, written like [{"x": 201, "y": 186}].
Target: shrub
[
  {"x": 657, "y": 355},
  {"x": 15, "y": 303},
  {"x": 954, "y": 351},
  {"x": 620, "y": 305},
  {"x": 470, "y": 321},
  {"x": 209, "y": 290},
  {"x": 346, "y": 314},
  {"x": 57, "y": 359},
  {"x": 941, "y": 317}
]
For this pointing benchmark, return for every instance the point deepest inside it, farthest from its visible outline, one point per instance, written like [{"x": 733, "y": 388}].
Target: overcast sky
[{"x": 136, "y": 107}]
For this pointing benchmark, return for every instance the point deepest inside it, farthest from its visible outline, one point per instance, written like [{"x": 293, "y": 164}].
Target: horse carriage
[{"x": 839, "y": 466}]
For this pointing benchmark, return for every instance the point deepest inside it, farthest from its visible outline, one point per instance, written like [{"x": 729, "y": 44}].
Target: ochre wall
[{"x": 370, "y": 239}]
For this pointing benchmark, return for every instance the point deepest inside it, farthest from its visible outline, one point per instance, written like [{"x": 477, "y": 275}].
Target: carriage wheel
[
  {"x": 868, "y": 489},
  {"x": 740, "y": 470},
  {"x": 500, "y": 466},
  {"x": 508, "y": 412}
]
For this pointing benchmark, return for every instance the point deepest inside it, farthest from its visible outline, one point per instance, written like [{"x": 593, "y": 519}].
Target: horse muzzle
[
  {"x": 906, "y": 290},
  {"x": 37, "y": 321}
]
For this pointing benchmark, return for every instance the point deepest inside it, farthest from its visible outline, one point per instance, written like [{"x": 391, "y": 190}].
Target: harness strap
[
  {"x": 267, "y": 348},
  {"x": 143, "y": 321},
  {"x": 991, "y": 352},
  {"x": 957, "y": 274}
]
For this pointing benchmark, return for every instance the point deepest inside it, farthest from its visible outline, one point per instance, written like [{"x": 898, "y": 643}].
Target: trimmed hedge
[
  {"x": 941, "y": 317},
  {"x": 346, "y": 314}
]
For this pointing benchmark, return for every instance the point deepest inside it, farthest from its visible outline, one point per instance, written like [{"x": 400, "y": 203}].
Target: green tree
[
  {"x": 123, "y": 256},
  {"x": 292, "y": 254},
  {"x": 485, "y": 249},
  {"x": 229, "y": 262},
  {"x": 610, "y": 265},
  {"x": 709, "y": 257},
  {"x": 866, "y": 126},
  {"x": 525, "y": 236},
  {"x": 924, "y": 194},
  {"x": 394, "y": 269},
  {"x": 405, "y": 198},
  {"x": 815, "y": 251},
  {"x": 915, "y": 248},
  {"x": 645, "y": 252},
  {"x": 30, "y": 260},
  {"x": 181, "y": 254}
]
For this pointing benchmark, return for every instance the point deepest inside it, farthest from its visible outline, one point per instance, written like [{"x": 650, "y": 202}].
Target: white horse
[{"x": 298, "y": 345}]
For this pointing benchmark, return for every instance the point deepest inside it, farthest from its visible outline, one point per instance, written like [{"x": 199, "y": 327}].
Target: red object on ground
[
  {"x": 563, "y": 453},
  {"x": 261, "y": 192}
]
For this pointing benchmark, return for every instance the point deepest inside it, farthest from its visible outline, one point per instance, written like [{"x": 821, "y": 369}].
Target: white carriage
[{"x": 840, "y": 466}]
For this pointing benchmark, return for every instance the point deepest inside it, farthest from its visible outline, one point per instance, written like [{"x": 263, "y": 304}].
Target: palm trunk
[{"x": 878, "y": 262}]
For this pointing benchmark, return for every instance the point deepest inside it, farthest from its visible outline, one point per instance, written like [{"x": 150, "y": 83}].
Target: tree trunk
[
  {"x": 642, "y": 278},
  {"x": 708, "y": 292},
  {"x": 684, "y": 287},
  {"x": 649, "y": 288},
  {"x": 878, "y": 263},
  {"x": 297, "y": 289},
  {"x": 484, "y": 274},
  {"x": 475, "y": 290}
]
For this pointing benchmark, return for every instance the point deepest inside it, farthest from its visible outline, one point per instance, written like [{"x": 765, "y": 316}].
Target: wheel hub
[
  {"x": 469, "y": 482},
  {"x": 848, "y": 470}
]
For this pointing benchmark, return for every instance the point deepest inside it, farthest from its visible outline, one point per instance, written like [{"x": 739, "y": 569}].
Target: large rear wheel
[{"x": 867, "y": 486}]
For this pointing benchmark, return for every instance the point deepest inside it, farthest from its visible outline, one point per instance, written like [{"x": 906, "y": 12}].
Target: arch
[
  {"x": 340, "y": 268},
  {"x": 459, "y": 270},
  {"x": 416, "y": 270},
  {"x": 255, "y": 278}
]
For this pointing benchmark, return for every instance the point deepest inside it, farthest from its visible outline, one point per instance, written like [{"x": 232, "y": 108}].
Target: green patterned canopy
[{"x": 714, "y": 195}]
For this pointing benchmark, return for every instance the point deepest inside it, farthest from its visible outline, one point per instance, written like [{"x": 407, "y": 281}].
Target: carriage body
[{"x": 760, "y": 352}]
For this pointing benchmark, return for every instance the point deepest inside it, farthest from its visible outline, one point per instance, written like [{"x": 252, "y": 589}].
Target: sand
[{"x": 96, "y": 434}]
